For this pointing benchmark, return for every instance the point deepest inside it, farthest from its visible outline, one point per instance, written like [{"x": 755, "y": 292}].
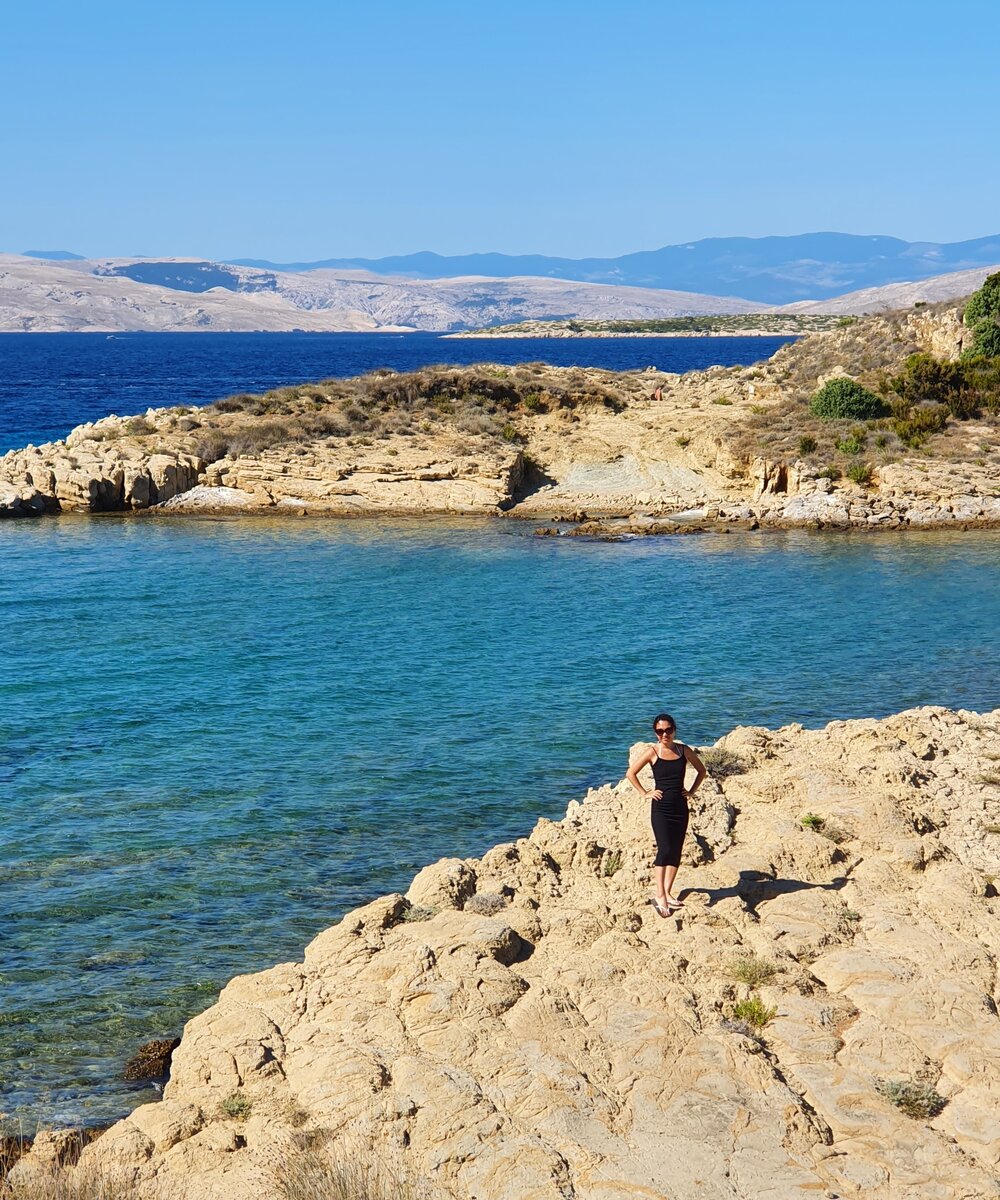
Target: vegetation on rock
[
  {"x": 845, "y": 398},
  {"x": 916, "y": 1099}
]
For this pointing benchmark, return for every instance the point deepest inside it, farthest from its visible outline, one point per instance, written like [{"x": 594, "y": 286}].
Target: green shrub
[
  {"x": 859, "y": 473},
  {"x": 985, "y": 341},
  {"x": 754, "y": 1011},
  {"x": 612, "y": 864},
  {"x": 811, "y": 820},
  {"x": 419, "y": 912},
  {"x": 844, "y": 322},
  {"x": 985, "y": 303},
  {"x": 722, "y": 400},
  {"x": 843, "y": 398},
  {"x": 807, "y": 445},
  {"x": 533, "y": 402},
  {"x": 851, "y": 444},
  {"x": 917, "y": 1100},
  {"x": 509, "y": 433},
  {"x": 238, "y": 1106}
]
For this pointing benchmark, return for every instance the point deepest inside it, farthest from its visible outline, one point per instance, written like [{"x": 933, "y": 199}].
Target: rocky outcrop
[
  {"x": 720, "y": 445},
  {"x": 523, "y": 1024}
]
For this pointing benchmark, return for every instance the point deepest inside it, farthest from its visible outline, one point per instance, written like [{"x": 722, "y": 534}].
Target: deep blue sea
[
  {"x": 50, "y": 382},
  {"x": 216, "y": 735}
]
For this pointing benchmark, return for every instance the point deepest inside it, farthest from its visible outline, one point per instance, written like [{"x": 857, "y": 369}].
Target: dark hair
[{"x": 664, "y": 717}]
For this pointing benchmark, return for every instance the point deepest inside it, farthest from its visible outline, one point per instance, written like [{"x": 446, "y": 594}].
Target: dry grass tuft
[
  {"x": 487, "y": 904},
  {"x": 751, "y": 969},
  {"x": 315, "y": 1175}
]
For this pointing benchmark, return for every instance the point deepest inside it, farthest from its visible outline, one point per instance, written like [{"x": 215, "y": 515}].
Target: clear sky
[{"x": 317, "y": 128}]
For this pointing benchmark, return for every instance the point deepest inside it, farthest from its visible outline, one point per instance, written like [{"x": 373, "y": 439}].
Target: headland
[{"x": 916, "y": 444}]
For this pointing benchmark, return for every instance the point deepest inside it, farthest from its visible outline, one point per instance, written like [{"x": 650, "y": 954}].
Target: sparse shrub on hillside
[
  {"x": 844, "y": 398},
  {"x": 251, "y": 439},
  {"x": 138, "y": 426},
  {"x": 859, "y": 473},
  {"x": 213, "y": 446},
  {"x": 813, "y": 821},
  {"x": 721, "y": 763},
  {"x": 852, "y": 444},
  {"x": 486, "y": 904},
  {"x": 807, "y": 445},
  {"x": 751, "y": 970},
  {"x": 310, "y": 1173},
  {"x": 985, "y": 303},
  {"x": 985, "y": 340},
  {"x": 910, "y": 1096},
  {"x": 754, "y": 1011},
  {"x": 238, "y": 1106},
  {"x": 612, "y": 864},
  {"x": 419, "y": 912}
]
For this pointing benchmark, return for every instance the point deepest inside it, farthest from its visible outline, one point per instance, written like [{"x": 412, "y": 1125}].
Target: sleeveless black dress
[{"x": 669, "y": 816}]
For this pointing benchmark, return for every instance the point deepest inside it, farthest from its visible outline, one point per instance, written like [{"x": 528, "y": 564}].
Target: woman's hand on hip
[{"x": 655, "y": 794}]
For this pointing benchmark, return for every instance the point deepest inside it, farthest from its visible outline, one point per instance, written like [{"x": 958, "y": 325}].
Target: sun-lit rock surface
[{"x": 539, "y": 1031}]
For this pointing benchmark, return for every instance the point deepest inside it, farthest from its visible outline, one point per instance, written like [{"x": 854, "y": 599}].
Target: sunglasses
[{"x": 661, "y": 732}]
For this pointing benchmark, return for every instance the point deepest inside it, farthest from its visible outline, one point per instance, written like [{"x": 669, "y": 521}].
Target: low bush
[
  {"x": 237, "y": 1106},
  {"x": 419, "y": 912},
  {"x": 910, "y": 1096},
  {"x": 813, "y": 821},
  {"x": 213, "y": 446},
  {"x": 807, "y": 445},
  {"x": 859, "y": 473},
  {"x": 851, "y": 444},
  {"x": 486, "y": 904},
  {"x": 751, "y": 970},
  {"x": 720, "y": 762},
  {"x": 754, "y": 1011},
  {"x": 984, "y": 304},
  {"x": 139, "y": 426},
  {"x": 844, "y": 398},
  {"x": 612, "y": 864}
]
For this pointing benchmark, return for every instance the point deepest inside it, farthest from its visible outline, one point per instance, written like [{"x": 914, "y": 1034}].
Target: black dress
[{"x": 669, "y": 816}]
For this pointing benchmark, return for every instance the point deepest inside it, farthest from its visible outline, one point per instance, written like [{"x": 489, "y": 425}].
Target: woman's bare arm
[
  {"x": 692, "y": 757},
  {"x": 632, "y": 775}
]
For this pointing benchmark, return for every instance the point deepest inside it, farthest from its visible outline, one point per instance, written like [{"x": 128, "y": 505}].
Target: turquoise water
[{"x": 216, "y": 736}]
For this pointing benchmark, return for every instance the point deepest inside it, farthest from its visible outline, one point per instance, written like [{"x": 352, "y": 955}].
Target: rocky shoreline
[
  {"x": 725, "y": 447},
  {"x": 819, "y": 1019}
]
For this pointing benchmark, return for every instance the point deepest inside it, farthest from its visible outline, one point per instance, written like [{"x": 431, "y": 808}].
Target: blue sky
[{"x": 312, "y": 130}]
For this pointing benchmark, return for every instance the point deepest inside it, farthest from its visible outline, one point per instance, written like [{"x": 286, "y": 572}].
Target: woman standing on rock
[{"x": 669, "y": 807}]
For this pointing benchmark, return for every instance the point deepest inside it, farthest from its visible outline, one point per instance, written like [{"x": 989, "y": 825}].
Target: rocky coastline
[
  {"x": 723, "y": 448},
  {"x": 819, "y": 1019}
]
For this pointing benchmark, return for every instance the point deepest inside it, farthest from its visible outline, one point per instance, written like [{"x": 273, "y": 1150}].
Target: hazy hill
[
  {"x": 179, "y": 294},
  {"x": 898, "y": 295},
  {"x": 771, "y": 270}
]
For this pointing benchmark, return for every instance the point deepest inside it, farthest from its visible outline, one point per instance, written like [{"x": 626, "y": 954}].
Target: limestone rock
[{"x": 576, "y": 1045}]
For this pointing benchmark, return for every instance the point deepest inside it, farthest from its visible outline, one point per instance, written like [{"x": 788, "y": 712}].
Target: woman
[{"x": 669, "y": 809}]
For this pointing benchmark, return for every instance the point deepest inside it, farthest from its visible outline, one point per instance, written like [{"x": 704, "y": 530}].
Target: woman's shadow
[{"x": 755, "y": 887}]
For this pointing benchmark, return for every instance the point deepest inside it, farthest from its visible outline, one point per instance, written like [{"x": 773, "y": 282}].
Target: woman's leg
[{"x": 658, "y": 874}]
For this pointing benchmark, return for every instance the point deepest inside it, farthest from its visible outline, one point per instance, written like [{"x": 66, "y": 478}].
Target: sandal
[
  {"x": 673, "y": 904},
  {"x": 661, "y": 910}
]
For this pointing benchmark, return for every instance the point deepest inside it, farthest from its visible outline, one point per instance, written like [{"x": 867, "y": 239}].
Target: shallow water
[{"x": 217, "y": 735}]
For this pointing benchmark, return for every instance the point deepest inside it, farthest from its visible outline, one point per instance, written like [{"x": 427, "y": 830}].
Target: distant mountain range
[
  {"x": 770, "y": 270},
  {"x": 69, "y": 293}
]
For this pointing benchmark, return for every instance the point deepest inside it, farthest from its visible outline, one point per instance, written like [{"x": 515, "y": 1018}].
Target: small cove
[{"x": 216, "y": 735}]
